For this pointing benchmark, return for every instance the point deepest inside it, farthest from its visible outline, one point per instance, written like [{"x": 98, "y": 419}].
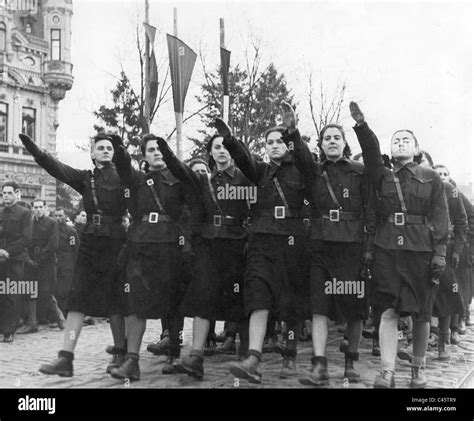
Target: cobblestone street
[{"x": 20, "y": 361}]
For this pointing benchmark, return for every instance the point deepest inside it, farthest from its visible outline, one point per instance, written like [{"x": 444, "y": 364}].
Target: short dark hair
[
  {"x": 15, "y": 186},
  {"x": 440, "y": 166},
  {"x": 78, "y": 212},
  {"x": 196, "y": 161},
  {"x": 413, "y": 134},
  {"x": 419, "y": 157},
  {"x": 60, "y": 209},
  {"x": 279, "y": 129}
]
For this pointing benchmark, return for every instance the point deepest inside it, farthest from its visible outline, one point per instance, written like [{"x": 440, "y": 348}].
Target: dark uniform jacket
[
  {"x": 68, "y": 244},
  {"x": 352, "y": 189},
  {"x": 424, "y": 196},
  {"x": 226, "y": 218},
  {"x": 171, "y": 196},
  {"x": 109, "y": 193},
  {"x": 268, "y": 197},
  {"x": 15, "y": 231},
  {"x": 44, "y": 240},
  {"x": 458, "y": 225}
]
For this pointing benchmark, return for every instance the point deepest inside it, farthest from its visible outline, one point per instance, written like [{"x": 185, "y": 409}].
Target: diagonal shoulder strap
[
  {"x": 331, "y": 191},
  {"x": 94, "y": 192},
  {"x": 213, "y": 196},
  {"x": 399, "y": 193},
  {"x": 151, "y": 185},
  {"x": 281, "y": 194}
]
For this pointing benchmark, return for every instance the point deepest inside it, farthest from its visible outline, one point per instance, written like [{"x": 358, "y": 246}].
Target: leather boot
[
  {"x": 117, "y": 360},
  {"x": 385, "y": 380},
  {"x": 61, "y": 366},
  {"x": 350, "y": 372},
  {"x": 191, "y": 365},
  {"x": 228, "y": 347},
  {"x": 128, "y": 370},
  {"x": 249, "y": 369},
  {"x": 26, "y": 329},
  {"x": 443, "y": 351},
  {"x": 288, "y": 368},
  {"x": 31, "y": 326},
  {"x": 418, "y": 377},
  {"x": 111, "y": 348},
  {"x": 8, "y": 337},
  {"x": 375, "y": 347},
  {"x": 169, "y": 366},
  {"x": 160, "y": 348},
  {"x": 318, "y": 376}
]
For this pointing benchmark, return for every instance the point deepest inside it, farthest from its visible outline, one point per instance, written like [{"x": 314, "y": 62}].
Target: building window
[
  {"x": 3, "y": 122},
  {"x": 3, "y": 37},
  {"x": 28, "y": 29},
  {"x": 28, "y": 122},
  {"x": 55, "y": 44}
]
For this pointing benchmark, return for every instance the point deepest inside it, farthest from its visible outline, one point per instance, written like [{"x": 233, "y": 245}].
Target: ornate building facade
[{"x": 35, "y": 73}]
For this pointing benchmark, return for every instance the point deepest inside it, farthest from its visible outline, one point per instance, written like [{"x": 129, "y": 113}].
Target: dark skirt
[
  {"x": 403, "y": 281},
  {"x": 337, "y": 289},
  {"x": 448, "y": 298},
  {"x": 464, "y": 277},
  {"x": 154, "y": 279},
  {"x": 277, "y": 276},
  {"x": 215, "y": 291},
  {"x": 96, "y": 288}
]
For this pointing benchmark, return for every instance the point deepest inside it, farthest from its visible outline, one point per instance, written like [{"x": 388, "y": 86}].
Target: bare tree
[{"x": 325, "y": 108}]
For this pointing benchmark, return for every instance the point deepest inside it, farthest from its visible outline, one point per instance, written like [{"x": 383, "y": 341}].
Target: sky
[{"x": 407, "y": 64}]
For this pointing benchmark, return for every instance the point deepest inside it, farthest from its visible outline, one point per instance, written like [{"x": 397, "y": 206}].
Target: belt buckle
[
  {"x": 279, "y": 212},
  {"x": 399, "y": 218},
  {"x": 153, "y": 217},
  {"x": 150, "y": 182},
  {"x": 217, "y": 220},
  {"x": 334, "y": 215},
  {"x": 96, "y": 219}
]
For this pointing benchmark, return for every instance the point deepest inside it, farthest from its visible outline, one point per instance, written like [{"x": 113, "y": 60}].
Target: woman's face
[
  {"x": 443, "y": 173},
  {"x": 218, "y": 151},
  {"x": 103, "y": 151},
  {"x": 153, "y": 155},
  {"x": 333, "y": 143},
  {"x": 403, "y": 145},
  {"x": 275, "y": 147}
]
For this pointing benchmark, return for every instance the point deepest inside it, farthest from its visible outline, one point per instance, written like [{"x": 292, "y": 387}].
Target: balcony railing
[{"x": 19, "y": 5}]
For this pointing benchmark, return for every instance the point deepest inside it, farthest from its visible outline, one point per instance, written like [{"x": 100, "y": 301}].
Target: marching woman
[
  {"x": 96, "y": 289},
  {"x": 409, "y": 245},
  {"x": 154, "y": 243},
  {"x": 215, "y": 291},
  {"x": 342, "y": 231},
  {"x": 276, "y": 275}
]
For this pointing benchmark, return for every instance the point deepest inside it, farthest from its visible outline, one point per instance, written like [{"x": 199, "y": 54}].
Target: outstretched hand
[
  {"x": 116, "y": 141},
  {"x": 288, "y": 116},
  {"x": 356, "y": 113},
  {"x": 29, "y": 144},
  {"x": 222, "y": 127}
]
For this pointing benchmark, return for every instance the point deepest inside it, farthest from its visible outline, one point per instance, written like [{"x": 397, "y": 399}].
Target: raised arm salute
[
  {"x": 215, "y": 292},
  {"x": 95, "y": 290},
  {"x": 342, "y": 230},
  {"x": 276, "y": 275},
  {"x": 410, "y": 244}
]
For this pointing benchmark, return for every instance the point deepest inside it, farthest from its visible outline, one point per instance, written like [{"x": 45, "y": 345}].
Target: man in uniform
[
  {"x": 15, "y": 235},
  {"x": 42, "y": 269}
]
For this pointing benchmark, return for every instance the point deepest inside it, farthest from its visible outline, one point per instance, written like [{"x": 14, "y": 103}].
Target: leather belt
[
  {"x": 219, "y": 220},
  {"x": 336, "y": 215},
  {"x": 279, "y": 212},
  {"x": 155, "y": 217},
  {"x": 399, "y": 218},
  {"x": 98, "y": 219}
]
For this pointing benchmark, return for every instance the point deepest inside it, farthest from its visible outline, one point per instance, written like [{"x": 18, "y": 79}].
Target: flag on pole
[
  {"x": 182, "y": 60},
  {"x": 150, "y": 32},
  {"x": 225, "y": 63}
]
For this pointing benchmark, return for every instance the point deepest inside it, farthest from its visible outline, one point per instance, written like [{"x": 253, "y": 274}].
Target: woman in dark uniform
[
  {"x": 95, "y": 290},
  {"x": 154, "y": 246},
  {"x": 410, "y": 244},
  {"x": 276, "y": 275},
  {"x": 215, "y": 292},
  {"x": 342, "y": 231}
]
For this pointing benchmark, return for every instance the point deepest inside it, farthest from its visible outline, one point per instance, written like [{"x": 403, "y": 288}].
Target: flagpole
[
  {"x": 178, "y": 115},
  {"x": 147, "y": 111},
  {"x": 225, "y": 99}
]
